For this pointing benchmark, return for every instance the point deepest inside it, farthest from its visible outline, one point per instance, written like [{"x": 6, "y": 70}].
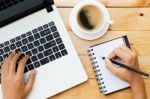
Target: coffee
[{"x": 90, "y": 18}]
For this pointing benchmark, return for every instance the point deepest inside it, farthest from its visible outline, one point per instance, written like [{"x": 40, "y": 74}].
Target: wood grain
[
  {"x": 108, "y": 3},
  {"x": 125, "y": 19}
]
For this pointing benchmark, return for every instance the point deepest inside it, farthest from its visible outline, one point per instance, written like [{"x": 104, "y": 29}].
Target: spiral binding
[{"x": 101, "y": 83}]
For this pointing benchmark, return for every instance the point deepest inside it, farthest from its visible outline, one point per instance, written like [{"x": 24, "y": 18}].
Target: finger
[
  {"x": 21, "y": 66},
  {"x": 5, "y": 67},
  {"x": 117, "y": 53},
  {"x": 30, "y": 81},
  {"x": 13, "y": 62},
  {"x": 111, "y": 67},
  {"x": 125, "y": 49}
]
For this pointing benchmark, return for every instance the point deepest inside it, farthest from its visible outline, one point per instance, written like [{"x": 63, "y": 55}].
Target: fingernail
[{"x": 34, "y": 71}]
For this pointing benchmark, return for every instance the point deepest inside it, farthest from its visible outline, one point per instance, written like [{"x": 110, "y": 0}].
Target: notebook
[{"x": 108, "y": 83}]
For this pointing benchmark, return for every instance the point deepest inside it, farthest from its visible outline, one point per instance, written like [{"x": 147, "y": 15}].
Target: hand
[
  {"x": 129, "y": 58},
  {"x": 135, "y": 80},
  {"x": 13, "y": 85}
]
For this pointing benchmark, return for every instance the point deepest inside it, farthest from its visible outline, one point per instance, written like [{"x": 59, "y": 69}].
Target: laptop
[{"x": 36, "y": 28}]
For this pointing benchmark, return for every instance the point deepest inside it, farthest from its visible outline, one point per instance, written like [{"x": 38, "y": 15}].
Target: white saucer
[{"x": 83, "y": 35}]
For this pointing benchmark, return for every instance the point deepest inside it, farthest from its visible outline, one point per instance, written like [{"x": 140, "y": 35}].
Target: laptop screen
[{"x": 11, "y": 10}]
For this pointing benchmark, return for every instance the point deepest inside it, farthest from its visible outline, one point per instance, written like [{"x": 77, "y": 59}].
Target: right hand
[{"x": 129, "y": 58}]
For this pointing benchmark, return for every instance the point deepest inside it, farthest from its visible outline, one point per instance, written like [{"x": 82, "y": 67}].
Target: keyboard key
[
  {"x": 24, "y": 48},
  {"x": 28, "y": 53},
  {"x": 44, "y": 61},
  {"x": 52, "y": 58},
  {"x": 19, "y": 44},
  {"x": 6, "y": 43},
  {"x": 37, "y": 36},
  {"x": 30, "y": 67},
  {"x": 1, "y": 58},
  {"x": 34, "y": 31},
  {"x": 61, "y": 46},
  {"x": 64, "y": 52},
  {"x": 6, "y": 49},
  {"x": 41, "y": 48},
  {"x": 56, "y": 34},
  {"x": 53, "y": 28},
  {"x": 40, "y": 28},
  {"x": 28, "y": 33},
  {"x": 51, "y": 23},
  {"x": 34, "y": 58},
  {"x": 40, "y": 56},
  {"x": 59, "y": 40},
  {"x": 12, "y": 46},
  {"x": 1, "y": 45},
  {"x": 12, "y": 41},
  {"x": 31, "y": 39},
  {"x": 24, "y": 41},
  {"x": 45, "y": 26},
  {"x": 49, "y": 44},
  {"x": 18, "y": 50},
  {"x": 18, "y": 38},
  {"x": 48, "y": 52},
  {"x": 23, "y": 36},
  {"x": 49, "y": 37},
  {"x": 58, "y": 55},
  {"x": 1, "y": 52},
  {"x": 36, "y": 43},
  {"x": 45, "y": 32},
  {"x": 34, "y": 51},
  {"x": 37, "y": 64},
  {"x": 25, "y": 69},
  {"x": 42, "y": 40},
  {"x": 30, "y": 46},
  {"x": 55, "y": 49}
]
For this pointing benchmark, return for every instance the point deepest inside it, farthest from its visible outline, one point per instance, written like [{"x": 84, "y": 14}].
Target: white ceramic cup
[{"x": 85, "y": 34}]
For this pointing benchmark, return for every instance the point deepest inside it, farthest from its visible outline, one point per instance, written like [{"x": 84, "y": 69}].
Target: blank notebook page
[{"x": 109, "y": 82}]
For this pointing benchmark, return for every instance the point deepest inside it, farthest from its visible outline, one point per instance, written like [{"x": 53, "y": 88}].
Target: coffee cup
[{"x": 90, "y": 19}]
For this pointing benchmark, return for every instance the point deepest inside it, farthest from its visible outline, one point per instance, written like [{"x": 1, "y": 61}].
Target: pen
[{"x": 128, "y": 67}]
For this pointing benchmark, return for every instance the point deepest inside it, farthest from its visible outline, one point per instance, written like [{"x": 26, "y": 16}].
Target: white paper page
[{"x": 111, "y": 82}]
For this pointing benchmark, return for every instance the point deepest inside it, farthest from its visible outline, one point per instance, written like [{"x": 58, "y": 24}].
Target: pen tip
[{"x": 103, "y": 58}]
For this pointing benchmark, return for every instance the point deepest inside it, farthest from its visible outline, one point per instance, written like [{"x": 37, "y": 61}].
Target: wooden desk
[{"x": 132, "y": 18}]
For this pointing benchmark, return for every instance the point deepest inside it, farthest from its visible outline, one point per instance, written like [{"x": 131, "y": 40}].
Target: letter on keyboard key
[
  {"x": 30, "y": 67},
  {"x": 45, "y": 32},
  {"x": 34, "y": 58},
  {"x": 59, "y": 40},
  {"x": 41, "y": 48},
  {"x": 31, "y": 39},
  {"x": 6, "y": 49},
  {"x": 24, "y": 48},
  {"x": 64, "y": 52},
  {"x": 53, "y": 28},
  {"x": 29, "y": 53},
  {"x": 24, "y": 41},
  {"x": 37, "y": 64},
  {"x": 12, "y": 46},
  {"x": 58, "y": 55},
  {"x": 52, "y": 58},
  {"x": 48, "y": 52},
  {"x": 34, "y": 51},
  {"x": 44, "y": 61},
  {"x": 40, "y": 55},
  {"x": 19, "y": 44},
  {"x": 49, "y": 44},
  {"x": 30, "y": 46}
]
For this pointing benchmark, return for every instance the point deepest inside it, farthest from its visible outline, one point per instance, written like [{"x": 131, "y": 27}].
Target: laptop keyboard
[
  {"x": 8, "y": 3},
  {"x": 42, "y": 44}
]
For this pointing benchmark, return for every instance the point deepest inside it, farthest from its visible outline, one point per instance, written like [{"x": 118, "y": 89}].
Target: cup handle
[{"x": 110, "y": 22}]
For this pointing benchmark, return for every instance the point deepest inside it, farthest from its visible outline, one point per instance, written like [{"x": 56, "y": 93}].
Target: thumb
[
  {"x": 30, "y": 82},
  {"x": 111, "y": 67}
]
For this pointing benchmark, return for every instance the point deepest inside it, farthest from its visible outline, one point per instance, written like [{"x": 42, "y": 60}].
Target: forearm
[{"x": 138, "y": 88}]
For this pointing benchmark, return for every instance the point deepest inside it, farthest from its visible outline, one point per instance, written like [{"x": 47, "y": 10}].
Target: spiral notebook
[{"x": 108, "y": 83}]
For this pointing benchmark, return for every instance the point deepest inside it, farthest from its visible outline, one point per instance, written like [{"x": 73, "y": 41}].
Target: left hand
[{"x": 13, "y": 85}]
